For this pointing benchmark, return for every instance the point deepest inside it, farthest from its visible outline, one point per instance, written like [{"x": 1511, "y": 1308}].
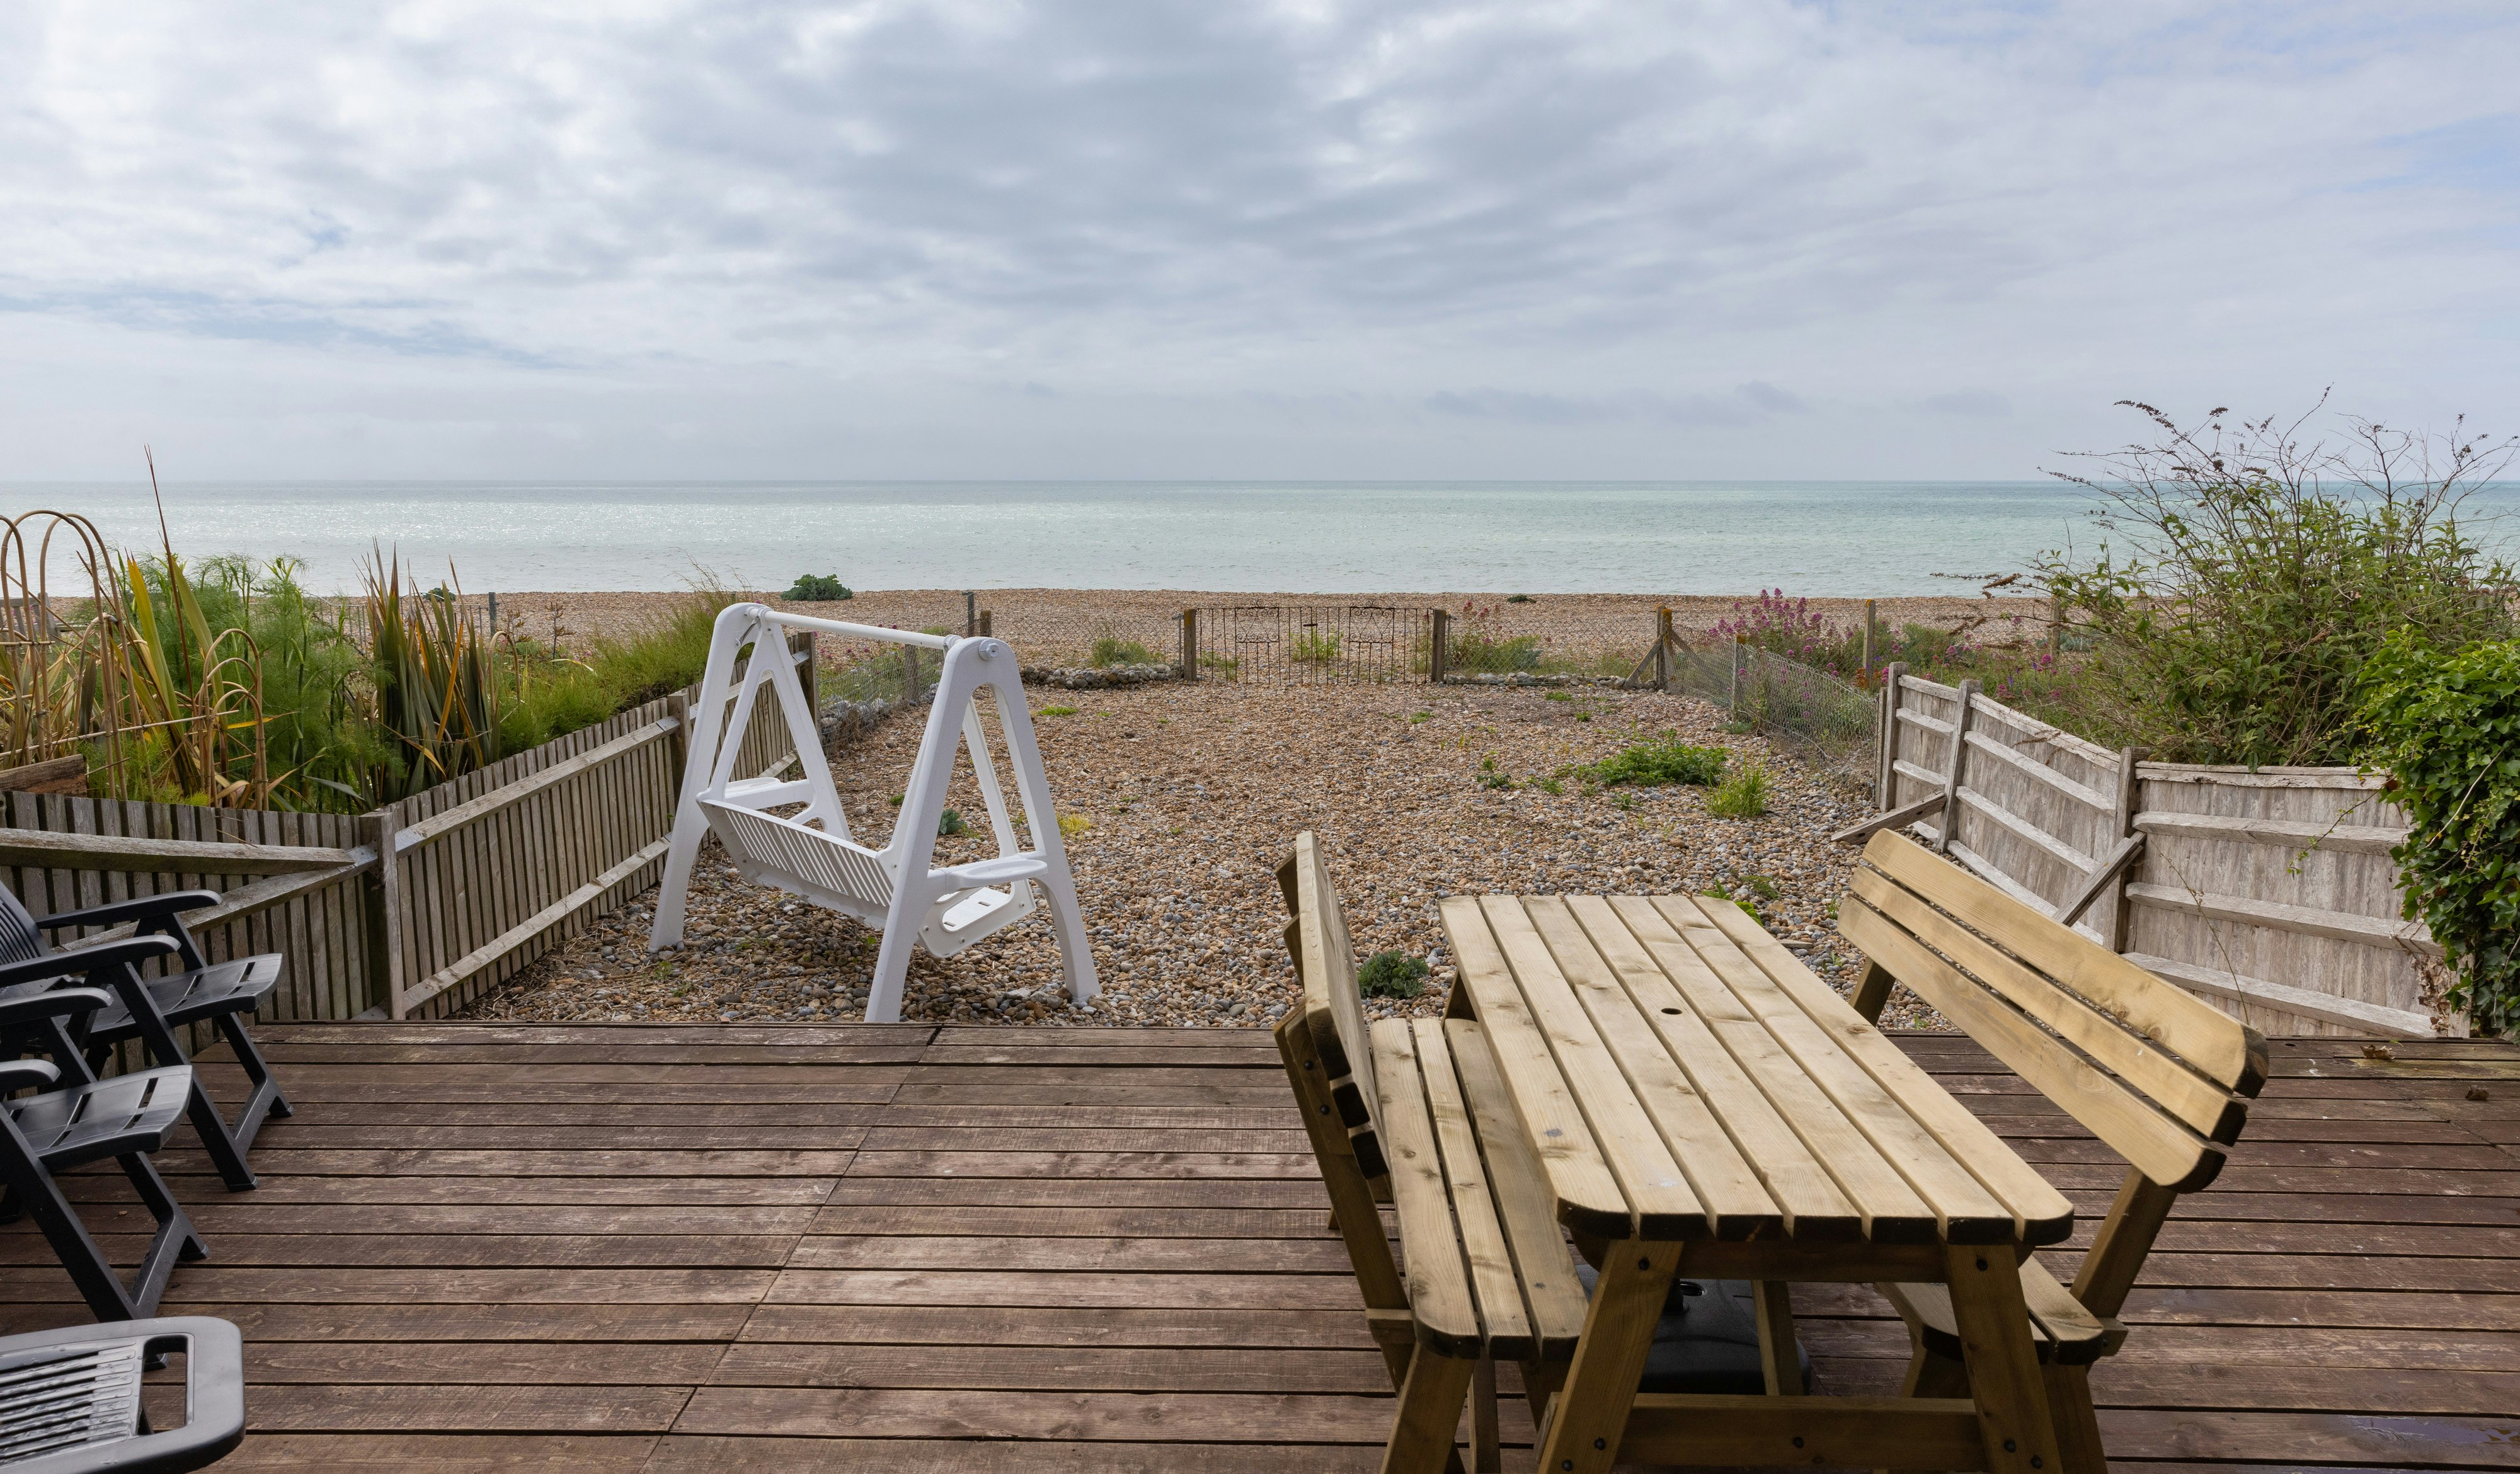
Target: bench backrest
[
  {"x": 2157, "y": 1073},
  {"x": 1332, "y": 1011}
]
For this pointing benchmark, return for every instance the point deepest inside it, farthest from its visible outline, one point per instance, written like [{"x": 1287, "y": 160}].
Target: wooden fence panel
[
  {"x": 473, "y": 900},
  {"x": 2268, "y": 893}
]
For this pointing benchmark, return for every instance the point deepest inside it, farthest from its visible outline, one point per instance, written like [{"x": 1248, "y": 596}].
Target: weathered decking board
[{"x": 967, "y": 1249}]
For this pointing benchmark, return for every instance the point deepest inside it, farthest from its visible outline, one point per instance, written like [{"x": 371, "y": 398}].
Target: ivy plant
[{"x": 2446, "y": 729}]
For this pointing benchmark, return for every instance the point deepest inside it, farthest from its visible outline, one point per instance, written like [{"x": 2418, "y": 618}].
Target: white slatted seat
[{"x": 812, "y": 855}]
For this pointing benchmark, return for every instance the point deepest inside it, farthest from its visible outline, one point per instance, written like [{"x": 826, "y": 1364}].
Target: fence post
[
  {"x": 1662, "y": 648},
  {"x": 1733, "y": 696},
  {"x": 1893, "y": 677},
  {"x": 1950, "y": 819},
  {"x": 1439, "y": 637},
  {"x": 678, "y": 747},
  {"x": 1190, "y": 644},
  {"x": 970, "y": 614},
  {"x": 2129, "y": 791},
  {"x": 984, "y": 624},
  {"x": 1867, "y": 640},
  {"x": 382, "y": 899}
]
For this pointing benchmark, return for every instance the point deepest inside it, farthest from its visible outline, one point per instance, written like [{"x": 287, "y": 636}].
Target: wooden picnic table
[{"x": 1701, "y": 1103}]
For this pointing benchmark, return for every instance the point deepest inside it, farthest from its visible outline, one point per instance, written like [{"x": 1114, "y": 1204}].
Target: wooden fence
[
  {"x": 408, "y": 910},
  {"x": 2270, "y": 892}
]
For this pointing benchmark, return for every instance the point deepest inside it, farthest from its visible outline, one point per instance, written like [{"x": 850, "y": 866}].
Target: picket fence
[{"x": 410, "y": 911}]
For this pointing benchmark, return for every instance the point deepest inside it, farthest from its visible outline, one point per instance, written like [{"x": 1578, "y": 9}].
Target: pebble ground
[{"x": 1185, "y": 797}]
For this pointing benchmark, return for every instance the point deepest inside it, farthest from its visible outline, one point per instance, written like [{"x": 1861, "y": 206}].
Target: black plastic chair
[
  {"x": 88, "y": 1120},
  {"x": 70, "y": 1399},
  {"x": 151, "y": 1010}
]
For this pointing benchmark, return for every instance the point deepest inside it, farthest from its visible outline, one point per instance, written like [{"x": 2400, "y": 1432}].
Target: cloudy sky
[{"x": 1311, "y": 238}]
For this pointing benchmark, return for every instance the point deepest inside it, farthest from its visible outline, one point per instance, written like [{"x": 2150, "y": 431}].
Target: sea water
[{"x": 1821, "y": 538}]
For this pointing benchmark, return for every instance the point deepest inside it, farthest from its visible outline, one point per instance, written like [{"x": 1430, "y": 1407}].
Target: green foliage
[
  {"x": 1224, "y": 665},
  {"x": 1765, "y": 887},
  {"x": 1056, "y": 711},
  {"x": 1113, "y": 650},
  {"x": 1742, "y": 795},
  {"x": 1420, "y": 716},
  {"x": 2258, "y": 574},
  {"x": 1392, "y": 974},
  {"x": 1314, "y": 648},
  {"x": 819, "y": 588},
  {"x": 2448, "y": 731},
  {"x": 1558, "y": 696},
  {"x": 1550, "y": 785},
  {"x": 1518, "y": 599},
  {"x": 1653, "y": 765},
  {"x": 950, "y": 823},
  {"x": 550, "y": 697}
]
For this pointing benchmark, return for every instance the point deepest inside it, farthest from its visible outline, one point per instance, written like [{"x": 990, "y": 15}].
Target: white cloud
[{"x": 1584, "y": 239}]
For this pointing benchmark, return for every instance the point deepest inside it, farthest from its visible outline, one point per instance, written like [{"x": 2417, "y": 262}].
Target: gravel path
[{"x": 1192, "y": 793}]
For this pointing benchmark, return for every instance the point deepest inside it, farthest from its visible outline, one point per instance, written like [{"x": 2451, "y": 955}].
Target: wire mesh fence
[
  {"x": 1826, "y": 721},
  {"x": 1305, "y": 644}
]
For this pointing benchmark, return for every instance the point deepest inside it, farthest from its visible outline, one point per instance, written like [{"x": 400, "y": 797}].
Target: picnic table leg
[
  {"x": 2004, "y": 1372},
  {"x": 1487, "y": 1456},
  {"x": 1428, "y": 1415},
  {"x": 2078, "y": 1427},
  {"x": 1592, "y": 1410},
  {"x": 1780, "y": 1362}
]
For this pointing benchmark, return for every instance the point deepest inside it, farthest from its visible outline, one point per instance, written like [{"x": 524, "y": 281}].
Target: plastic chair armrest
[
  {"x": 60, "y": 1003},
  {"x": 86, "y": 962},
  {"x": 18, "y": 1074},
  {"x": 992, "y": 871}
]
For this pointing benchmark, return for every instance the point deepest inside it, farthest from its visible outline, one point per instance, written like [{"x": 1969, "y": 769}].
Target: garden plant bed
[{"x": 1190, "y": 793}]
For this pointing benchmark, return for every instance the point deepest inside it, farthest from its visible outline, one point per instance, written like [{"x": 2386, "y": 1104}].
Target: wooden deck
[{"x": 1021, "y": 1249}]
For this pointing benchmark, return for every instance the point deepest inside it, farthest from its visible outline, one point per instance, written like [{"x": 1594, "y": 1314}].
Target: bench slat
[
  {"x": 1888, "y": 1209},
  {"x": 1439, "y": 1281},
  {"x": 1810, "y": 1203},
  {"x": 2205, "y": 1106},
  {"x": 2162, "y": 1146},
  {"x": 1474, "y": 1210},
  {"x": 1737, "y": 1205},
  {"x": 2042, "y": 1214},
  {"x": 1965, "y": 1210},
  {"x": 1525, "y": 1207},
  {"x": 2209, "y": 1040}
]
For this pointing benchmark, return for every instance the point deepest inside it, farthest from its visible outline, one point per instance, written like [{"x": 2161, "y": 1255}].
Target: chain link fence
[{"x": 1828, "y": 723}]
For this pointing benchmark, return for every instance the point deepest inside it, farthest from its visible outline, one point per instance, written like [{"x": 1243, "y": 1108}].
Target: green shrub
[
  {"x": 2446, "y": 728},
  {"x": 1113, "y": 650},
  {"x": 1056, "y": 711},
  {"x": 1518, "y": 599},
  {"x": 950, "y": 823},
  {"x": 819, "y": 588},
  {"x": 2257, "y": 571},
  {"x": 1743, "y": 795},
  {"x": 1653, "y": 765},
  {"x": 1392, "y": 974},
  {"x": 1314, "y": 648}
]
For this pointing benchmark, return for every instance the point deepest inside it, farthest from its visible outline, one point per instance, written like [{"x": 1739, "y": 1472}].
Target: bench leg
[
  {"x": 1780, "y": 1361},
  {"x": 1430, "y": 1409},
  {"x": 2078, "y": 1427},
  {"x": 1487, "y": 1452},
  {"x": 175, "y": 1241}
]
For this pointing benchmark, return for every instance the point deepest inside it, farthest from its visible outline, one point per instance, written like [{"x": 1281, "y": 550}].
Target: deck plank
[{"x": 688, "y": 1248}]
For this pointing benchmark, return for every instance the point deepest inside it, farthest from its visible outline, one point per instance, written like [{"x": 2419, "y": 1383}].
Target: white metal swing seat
[{"x": 812, "y": 854}]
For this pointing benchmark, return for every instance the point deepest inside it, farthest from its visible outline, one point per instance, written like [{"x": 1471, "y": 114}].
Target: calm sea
[{"x": 1853, "y": 538}]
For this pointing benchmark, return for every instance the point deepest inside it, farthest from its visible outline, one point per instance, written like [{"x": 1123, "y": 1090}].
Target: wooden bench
[
  {"x": 1412, "y": 1112},
  {"x": 2160, "y": 1076}
]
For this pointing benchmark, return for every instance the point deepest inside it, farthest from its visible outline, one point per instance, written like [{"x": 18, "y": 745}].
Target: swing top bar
[{"x": 769, "y": 615}]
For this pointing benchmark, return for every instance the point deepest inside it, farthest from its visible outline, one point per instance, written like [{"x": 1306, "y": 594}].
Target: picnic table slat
[
  {"x": 1521, "y": 1191},
  {"x": 2041, "y": 1213},
  {"x": 1965, "y": 1211},
  {"x": 1809, "y": 1199},
  {"x": 1666, "y": 1208},
  {"x": 1890, "y": 1210},
  {"x": 1738, "y": 1204},
  {"x": 1589, "y": 1199}
]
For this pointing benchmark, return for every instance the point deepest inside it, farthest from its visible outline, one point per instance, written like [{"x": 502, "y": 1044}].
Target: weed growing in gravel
[
  {"x": 1653, "y": 765},
  {"x": 1747, "y": 908},
  {"x": 1743, "y": 795},
  {"x": 1550, "y": 785},
  {"x": 1056, "y": 711},
  {"x": 1518, "y": 599},
  {"x": 1224, "y": 665},
  {"x": 1073, "y": 826},
  {"x": 1765, "y": 887},
  {"x": 1113, "y": 650},
  {"x": 1314, "y": 647},
  {"x": 895, "y": 800},
  {"x": 1392, "y": 974},
  {"x": 1558, "y": 696},
  {"x": 952, "y": 823}
]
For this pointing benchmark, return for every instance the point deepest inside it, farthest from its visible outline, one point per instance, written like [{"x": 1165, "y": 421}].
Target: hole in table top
[{"x": 1670, "y": 1010}]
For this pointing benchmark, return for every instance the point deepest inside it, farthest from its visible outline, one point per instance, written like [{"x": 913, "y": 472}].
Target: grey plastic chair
[
  {"x": 152, "y": 1010},
  {"x": 70, "y": 1399}
]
